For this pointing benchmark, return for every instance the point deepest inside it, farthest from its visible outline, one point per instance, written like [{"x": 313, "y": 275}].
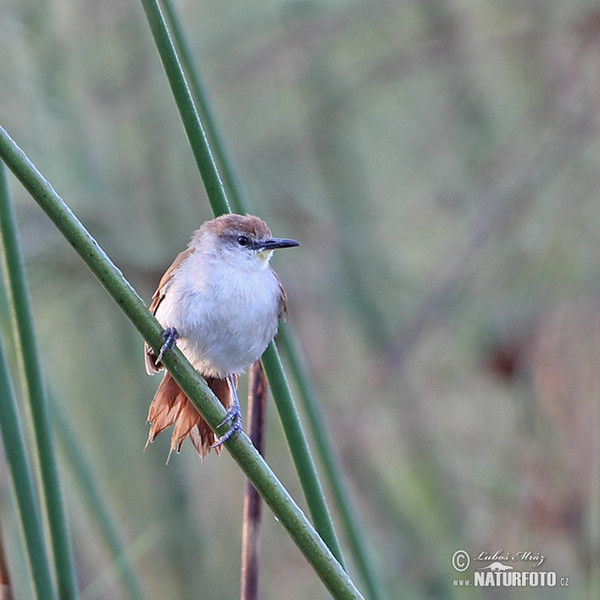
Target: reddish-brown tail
[{"x": 171, "y": 405}]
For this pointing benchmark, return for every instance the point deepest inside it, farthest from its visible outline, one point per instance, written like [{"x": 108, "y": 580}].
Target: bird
[{"x": 220, "y": 303}]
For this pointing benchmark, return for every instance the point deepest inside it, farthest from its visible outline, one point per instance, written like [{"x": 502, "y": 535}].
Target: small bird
[{"x": 220, "y": 302}]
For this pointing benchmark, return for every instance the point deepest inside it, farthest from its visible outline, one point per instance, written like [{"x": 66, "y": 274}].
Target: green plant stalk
[
  {"x": 94, "y": 498},
  {"x": 187, "y": 110},
  {"x": 35, "y": 393},
  {"x": 298, "y": 445},
  {"x": 23, "y": 487},
  {"x": 243, "y": 452},
  {"x": 233, "y": 184},
  {"x": 299, "y": 449},
  {"x": 350, "y": 518}
]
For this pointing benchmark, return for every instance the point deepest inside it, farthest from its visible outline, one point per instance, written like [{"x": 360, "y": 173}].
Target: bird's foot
[
  {"x": 169, "y": 335},
  {"x": 233, "y": 416}
]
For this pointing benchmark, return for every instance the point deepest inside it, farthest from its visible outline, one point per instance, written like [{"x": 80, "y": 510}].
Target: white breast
[{"x": 225, "y": 317}]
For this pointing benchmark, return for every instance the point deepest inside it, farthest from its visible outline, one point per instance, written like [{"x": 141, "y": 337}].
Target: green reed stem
[
  {"x": 233, "y": 184},
  {"x": 23, "y": 487},
  {"x": 350, "y": 518},
  {"x": 35, "y": 393},
  {"x": 298, "y": 446},
  {"x": 187, "y": 110}
]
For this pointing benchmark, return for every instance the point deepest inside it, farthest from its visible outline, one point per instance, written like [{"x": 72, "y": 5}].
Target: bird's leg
[
  {"x": 169, "y": 335},
  {"x": 234, "y": 415}
]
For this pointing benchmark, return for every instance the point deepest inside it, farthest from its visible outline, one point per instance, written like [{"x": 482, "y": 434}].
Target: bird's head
[{"x": 244, "y": 241}]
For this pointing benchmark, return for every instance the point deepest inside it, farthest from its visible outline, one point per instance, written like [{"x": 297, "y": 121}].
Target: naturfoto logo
[{"x": 497, "y": 573}]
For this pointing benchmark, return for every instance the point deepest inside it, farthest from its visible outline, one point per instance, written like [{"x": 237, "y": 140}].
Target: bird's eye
[{"x": 243, "y": 240}]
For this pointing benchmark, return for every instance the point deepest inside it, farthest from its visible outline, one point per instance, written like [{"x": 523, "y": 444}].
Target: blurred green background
[{"x": 439, "y": 161}]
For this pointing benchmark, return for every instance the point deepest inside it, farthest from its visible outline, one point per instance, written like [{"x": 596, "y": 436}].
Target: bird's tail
[{"x": 171, "y": 405}]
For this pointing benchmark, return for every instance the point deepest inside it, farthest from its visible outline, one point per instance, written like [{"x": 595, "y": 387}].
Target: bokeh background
[{"x": 440, "y": 163}]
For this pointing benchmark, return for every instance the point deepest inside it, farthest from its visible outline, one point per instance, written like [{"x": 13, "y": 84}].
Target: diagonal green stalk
[
  {"x": 350, "y": 518},
  {"x": 298, "y": 445},
  {"x": 23, "y": 487},
  {"x": 307, "y": 473},
  {"x": 241, "y": 449},
  {"x": 23, "y": 330},
  {"x": 233, "y": 184},
  {"x": 187, "y": 110},
  {"x": 35, "y": 393}
]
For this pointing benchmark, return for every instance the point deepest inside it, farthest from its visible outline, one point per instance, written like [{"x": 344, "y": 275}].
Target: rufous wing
[
  {"x": 159, "y": 295},
  {"x": 282, "y": 298}
]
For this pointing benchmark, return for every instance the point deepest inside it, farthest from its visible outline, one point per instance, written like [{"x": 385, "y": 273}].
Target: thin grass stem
[
  {"x": 187, "y": 109},
  {"x": 350, "y": 518},
  {"x": 299, "y": 450},
  {"x": 238, "y": 199},
  {"x": 35, "y": 394},
  {"x": 23, "y": 487}
]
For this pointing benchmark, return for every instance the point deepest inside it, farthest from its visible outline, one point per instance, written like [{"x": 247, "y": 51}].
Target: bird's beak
[{"x": 278, "y": 243}]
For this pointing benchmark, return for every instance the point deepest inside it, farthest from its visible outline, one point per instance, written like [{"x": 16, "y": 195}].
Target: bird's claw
[
  {"x": 233, "y": 416},
  {"x": 169, "y": 335}
]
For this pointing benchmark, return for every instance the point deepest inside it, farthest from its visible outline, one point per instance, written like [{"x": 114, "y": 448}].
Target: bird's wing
[
  {"x": 161, "y": 291},
  {"x": 282, "y": 298}
]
